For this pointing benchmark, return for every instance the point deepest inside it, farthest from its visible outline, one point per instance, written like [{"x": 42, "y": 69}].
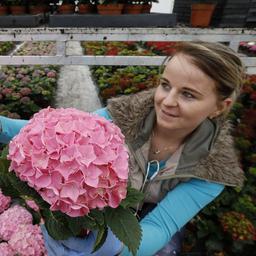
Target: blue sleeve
[
  {"x": 178, "y": 207},
  {"x": 9, "y": 128},
  {"x": 103, "y": 112}
]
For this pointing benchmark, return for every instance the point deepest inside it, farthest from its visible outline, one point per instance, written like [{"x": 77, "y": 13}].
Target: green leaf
[
  {"x": 133, "y": 197},
  {"x": 98, "y": 216},
  {"x": 56, "y": 225},
  {"x": 214, "y": 245},
  {"x": 77, "y": 224},
  {"x": 125, "y": 226},
  {"x": 101, "y": 238},
  {"x": 5, "y": 183},
  {"x": 74, "y": 225},
  {"x": 4, "y": 152}
]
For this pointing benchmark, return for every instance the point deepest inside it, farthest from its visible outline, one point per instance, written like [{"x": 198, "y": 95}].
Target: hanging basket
[{"x": 201, "y": 14}]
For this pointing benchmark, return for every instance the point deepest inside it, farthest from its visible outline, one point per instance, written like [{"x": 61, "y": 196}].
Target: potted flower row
[
  {"x": 106, "y": 7},
  {"x": 18, "y": 7}
]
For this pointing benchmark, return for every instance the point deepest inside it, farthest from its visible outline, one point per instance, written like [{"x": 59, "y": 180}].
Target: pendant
[{"x": 157, "y": 152}]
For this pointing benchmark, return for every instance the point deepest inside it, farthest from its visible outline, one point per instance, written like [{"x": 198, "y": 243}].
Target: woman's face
[{"x": 185, "y": 97}]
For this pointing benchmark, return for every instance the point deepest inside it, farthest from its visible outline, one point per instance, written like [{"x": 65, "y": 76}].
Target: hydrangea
[
  {"x": 11, "y": 219},
  {"x": 28, "y": 241},
  {"x": 75, "y": 160},
  {"x": 32, "y": 204},
  {"x": 4, "y": 201},
  {"x": 6, "y": 250}
]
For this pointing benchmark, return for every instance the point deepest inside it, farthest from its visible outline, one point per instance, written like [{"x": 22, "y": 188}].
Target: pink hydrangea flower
[
  {"x": 11, "y": 219},
  {"x": 28, "y": 241},
  {"x": 4, "y": 201},
  {"x": 6, "y": 250},
  {"x": 76, "y": 161},
  {"x": 32, "y": 204}
]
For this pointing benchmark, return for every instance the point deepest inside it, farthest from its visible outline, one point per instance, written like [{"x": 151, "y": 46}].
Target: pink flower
[
  {"x": 76, "y": 161},
  {"x": 25, "y": 100},
  {"x": 51, "y": 74},
  {"x": 28, "y": 241},
  {"x": 6, "y": 91},
  {"x": 11, "y": 219},
  {"x": 6, "y": 250},
  {"x": 4, "y": 201},
  {"x": 25, "y": 91},
  {"x": 32, "y": 205},
  {"x": 253, "y": 48}
]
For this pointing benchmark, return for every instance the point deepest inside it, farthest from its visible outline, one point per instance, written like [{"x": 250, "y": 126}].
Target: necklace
[{"x": 158, "y": 150}]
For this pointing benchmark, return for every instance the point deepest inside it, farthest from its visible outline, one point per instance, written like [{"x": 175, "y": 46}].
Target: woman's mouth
[{"x": 169, "y": 114}]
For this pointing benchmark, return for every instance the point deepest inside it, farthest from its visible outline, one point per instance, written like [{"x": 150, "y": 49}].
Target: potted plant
[
  {"x": 3, "y": 8},
  {"x": 85, "y": 6},
  {"x": 110, "y": 7},
  {"x": 17, "y": 7},
  {"x": 133, "y": 6},
  {"x": 146, "y": 5},
  {"x": 66, "y": 7},
  {"x": 201, "y": 13},
  {"x": 37, "y": 6}
]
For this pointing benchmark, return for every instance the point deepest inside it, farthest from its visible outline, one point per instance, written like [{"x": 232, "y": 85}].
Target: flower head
[
  {"x": 4, "y": 201},
  {"x": 6, "y": 250},
  {"x": 11, "y": 219},
  {"x": 28, "y": 241},
  {"x": 75, "y": 160}
]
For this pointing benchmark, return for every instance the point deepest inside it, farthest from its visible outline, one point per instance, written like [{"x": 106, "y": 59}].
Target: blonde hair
[{"x": 217, "y": 61}]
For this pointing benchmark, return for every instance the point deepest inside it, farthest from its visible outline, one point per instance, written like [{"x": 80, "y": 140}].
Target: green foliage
[
  {"x": 122, "y": 223},
  {"x": 6, "y": 47}
]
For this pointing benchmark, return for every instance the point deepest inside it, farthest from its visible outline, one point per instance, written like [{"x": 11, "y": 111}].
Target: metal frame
[{"x": 61, "y": 35}]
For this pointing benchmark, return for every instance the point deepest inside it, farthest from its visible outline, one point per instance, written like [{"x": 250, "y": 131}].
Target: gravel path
[{"x": 75, "y": 86}]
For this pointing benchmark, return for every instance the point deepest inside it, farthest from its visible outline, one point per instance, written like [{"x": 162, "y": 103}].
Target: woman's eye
[
  {"x": 188, "y": 95},
  {"x": 164, "y": 85}
]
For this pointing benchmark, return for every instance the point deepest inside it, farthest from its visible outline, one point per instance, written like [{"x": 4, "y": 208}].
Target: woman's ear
[{"x": 223, "y": 107}]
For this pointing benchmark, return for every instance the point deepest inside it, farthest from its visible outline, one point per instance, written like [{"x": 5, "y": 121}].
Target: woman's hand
[{"x": 75, "y": 246}]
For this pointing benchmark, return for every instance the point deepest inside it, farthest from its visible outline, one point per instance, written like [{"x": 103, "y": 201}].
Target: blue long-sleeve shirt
[{"x": 169, "y": 216}]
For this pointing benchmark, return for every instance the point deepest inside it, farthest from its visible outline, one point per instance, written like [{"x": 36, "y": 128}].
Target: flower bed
[
  {"x": 24, "y": 90},
  {"x": 161, "y": 48},
  {"x": 6, "y": 47},
  {"x": 248, "y": 48},
  {"x": 124, "y": 80},
  {"x": 37, "y": 48},
  {"x": 115, "y": 48}
]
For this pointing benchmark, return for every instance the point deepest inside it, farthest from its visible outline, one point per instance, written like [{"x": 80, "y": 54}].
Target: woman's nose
[{"x": 171, "y": 99}]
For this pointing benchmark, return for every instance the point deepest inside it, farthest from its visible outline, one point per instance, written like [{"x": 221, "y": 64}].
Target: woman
[{"x": 181, "y": 153}]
